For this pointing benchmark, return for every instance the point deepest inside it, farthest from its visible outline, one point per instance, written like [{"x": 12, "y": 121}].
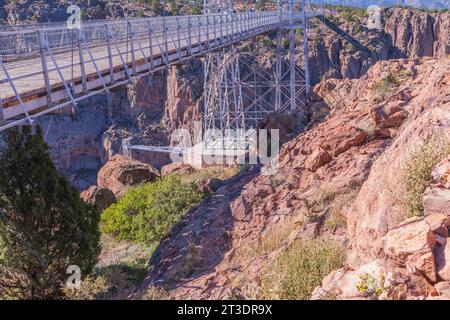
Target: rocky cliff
[
  {"x": 405, "y": 33},
  {"x": 347, "y": 165},
  {"x": 149, "y": 109},
  {"x": 416, "y": 34}
]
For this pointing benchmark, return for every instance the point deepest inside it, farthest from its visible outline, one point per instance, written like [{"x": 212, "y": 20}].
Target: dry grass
[
  {"x": 296, "y": 272},
  {"x": 156, "y": 293},
  {"x": 122, "y": 267},
  {"x": 385, "y": 87},
  {"x": 336, "y": 219},
  {"x": 416, "y": 175},
  {"x": 274, "y": 239},
  {"x": 269, "y": 241}
]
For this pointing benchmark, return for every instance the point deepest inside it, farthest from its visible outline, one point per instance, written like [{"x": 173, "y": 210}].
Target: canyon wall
[
  {"x": 149, "y": 109},
  {"x": 406, "y": 33}
]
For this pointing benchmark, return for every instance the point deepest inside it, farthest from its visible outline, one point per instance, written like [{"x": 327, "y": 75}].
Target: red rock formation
[
  {"x": 102, "y": 197},
  {"x": 437, "y": 196},
  {"x": 418, "y": 34},
  {"x": 304, "y": 173},
  {"x": 119, "y": 173},
  {"x": 184, "y": 87},
  {"x": 375, "y": 209},
  {"x": 177, "y": 168}
]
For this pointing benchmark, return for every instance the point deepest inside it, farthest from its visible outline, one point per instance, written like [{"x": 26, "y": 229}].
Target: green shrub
[
  {"x": 386, "y": 85},
  {"x": 416, "y": 176},
  {"x": 300, "y": 269},
  {"x": 146, "y": 213},
  {"x": 371, "y": 286},
  {"x": 44, "y": 225}
]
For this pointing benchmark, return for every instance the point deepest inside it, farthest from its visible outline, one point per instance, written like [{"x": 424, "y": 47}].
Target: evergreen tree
[{"x": 44, "y": 225}]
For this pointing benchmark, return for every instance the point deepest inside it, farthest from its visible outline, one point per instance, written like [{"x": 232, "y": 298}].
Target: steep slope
[{"x": 342, "y": 163}]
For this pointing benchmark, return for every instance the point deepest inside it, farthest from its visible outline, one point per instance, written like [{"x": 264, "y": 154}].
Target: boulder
[
  {"x": 441, "y": 173},
  {"x": 389, "y": 115},
  {"x": 443, "y": 288},
  {"x": 442, "y": 259},
  {"x": 384, "y": 133},
  {"x": 439, "y": 224},
  {"x": 317, "y": 159},
  {"x": 102, "y": 197},
  {"x": 342, "y": 283},
  {"x": 176, "y": 168},
  {"x": 436, "y": 199},
  {"x": 120, "y": 172},
  {"x": 410, "y": 245},
  {"x": 343, "y": 138}
]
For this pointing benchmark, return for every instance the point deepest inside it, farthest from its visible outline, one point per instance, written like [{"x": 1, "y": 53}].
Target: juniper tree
[{"x": 44, "y": 225}]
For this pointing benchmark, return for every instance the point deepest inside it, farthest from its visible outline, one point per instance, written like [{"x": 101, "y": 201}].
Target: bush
[
  {"x": 156, "y": 293},
  {"x": 91, "y": 288},
  {"x": 416, "y": 176},
  {"x": 146, "y": 213},
  {"x": 300, "y": 269},
  {"x": 44, "y": 225},
  {"x": 386, "y": 85}
]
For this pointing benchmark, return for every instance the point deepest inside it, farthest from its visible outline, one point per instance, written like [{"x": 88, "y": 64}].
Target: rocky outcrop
[
  {"x": 184, "y": 89},
  {"x": 119, "y": 173},
  {"x": 317, "y": 159},
  {"x": 74, "y": 141},
  {"x": 376, "y": 209},
  {"x": 416, "y": 266},
  {"x": 437, "y": 196},
  {"x": 415, "y": 33},
  {"x": 102, "y": 197},
  {"x": 410, "y": 245},
  {"x": 176, "y": 168},
  {"x": 390, "y": 115},
  {"x": 407, "y": 33}
]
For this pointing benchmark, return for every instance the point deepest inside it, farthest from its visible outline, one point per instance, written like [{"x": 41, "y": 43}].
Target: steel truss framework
[{"x": 238, "y": 92}]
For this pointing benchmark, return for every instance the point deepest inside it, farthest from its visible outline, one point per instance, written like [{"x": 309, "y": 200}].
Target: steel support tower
[{"x": 239, "y": 92}]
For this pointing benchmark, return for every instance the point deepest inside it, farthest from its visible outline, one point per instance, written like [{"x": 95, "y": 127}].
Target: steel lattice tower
[{"x": 234, "y": 100}]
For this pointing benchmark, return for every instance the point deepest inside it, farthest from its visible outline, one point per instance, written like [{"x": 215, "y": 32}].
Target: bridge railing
[
  {"x": 55, "y": 67},
  {"x": 27, "y": 41}
]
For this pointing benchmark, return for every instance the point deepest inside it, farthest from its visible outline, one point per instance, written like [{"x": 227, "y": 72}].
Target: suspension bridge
[{"x": 49, "y": 68}]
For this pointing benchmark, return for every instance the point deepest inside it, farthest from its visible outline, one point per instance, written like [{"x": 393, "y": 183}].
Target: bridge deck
[{"x": 100, "y": 61}]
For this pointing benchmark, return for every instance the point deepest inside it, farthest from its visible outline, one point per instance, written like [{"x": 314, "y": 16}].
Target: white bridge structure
[{"x": 47, "y": 68}]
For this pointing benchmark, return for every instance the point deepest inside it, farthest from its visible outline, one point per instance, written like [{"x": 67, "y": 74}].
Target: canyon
[
  {"x": 149, "y": 109},
  {"x": 340, "y": 166}
]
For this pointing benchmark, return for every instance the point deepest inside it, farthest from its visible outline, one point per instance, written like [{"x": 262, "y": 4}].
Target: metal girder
[{"x": 238, "y": 100}]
